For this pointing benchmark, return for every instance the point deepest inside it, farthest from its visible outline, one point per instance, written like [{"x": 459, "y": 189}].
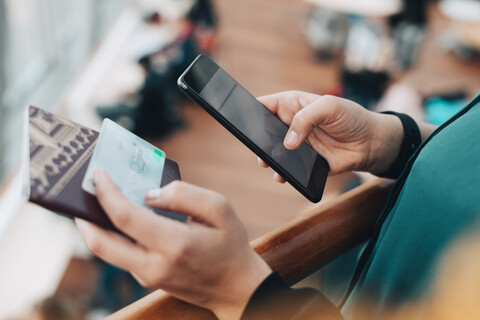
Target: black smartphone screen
[{"x": 257, "y": 124}]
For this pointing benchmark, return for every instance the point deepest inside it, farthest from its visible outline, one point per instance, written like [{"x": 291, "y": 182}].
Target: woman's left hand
[{"x": 206, "y": 261}]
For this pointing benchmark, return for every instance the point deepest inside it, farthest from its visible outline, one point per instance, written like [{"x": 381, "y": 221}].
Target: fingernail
[
  {"x": 155, "y": 193},
  {"x": 291, "y": 139},
  {"x": 97, "y": 176}
]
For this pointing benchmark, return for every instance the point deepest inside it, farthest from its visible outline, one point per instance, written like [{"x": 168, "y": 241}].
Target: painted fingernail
[
  {"x": 291, "y": 139},
  {"x": 155, "y": 193}
]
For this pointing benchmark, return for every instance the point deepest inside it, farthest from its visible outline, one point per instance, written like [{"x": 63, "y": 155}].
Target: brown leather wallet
[{"x": 60, "y": 151}]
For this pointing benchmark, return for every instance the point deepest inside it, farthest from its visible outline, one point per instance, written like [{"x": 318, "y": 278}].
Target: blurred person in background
[
  {"x": 376, "y": 45},
  {"x": 379, "y": 47},
  {"x": 153, "y": 112}
]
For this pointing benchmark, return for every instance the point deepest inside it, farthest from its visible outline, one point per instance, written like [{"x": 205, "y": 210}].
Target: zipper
[{"x": 393, "y": 195}]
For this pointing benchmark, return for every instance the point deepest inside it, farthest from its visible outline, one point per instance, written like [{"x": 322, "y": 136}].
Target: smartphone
[{"x": 256, "y": 126}]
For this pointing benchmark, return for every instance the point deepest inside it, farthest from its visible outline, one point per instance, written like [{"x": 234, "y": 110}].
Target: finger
[
  {"x": 262, "y": 163},
  {"x": 293, "y": 100},
  {"x": 278, "y": 178},
  {"x": 283, "y": 104},
  {"x": 140, "y": 223},
  {"x": 112, "y": 247},
  {"x": 272, "y": 101},
  {"x": 182, "y": 197},
  {"x": 306, "y": 119}
]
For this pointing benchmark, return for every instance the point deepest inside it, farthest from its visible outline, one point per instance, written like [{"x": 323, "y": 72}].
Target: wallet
[{"x": 60, "y": 151}]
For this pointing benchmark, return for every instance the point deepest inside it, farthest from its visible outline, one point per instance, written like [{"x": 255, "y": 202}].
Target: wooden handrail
[{"x": 295, "y": 250}]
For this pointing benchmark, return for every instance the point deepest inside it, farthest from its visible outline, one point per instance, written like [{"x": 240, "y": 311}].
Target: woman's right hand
[{"x": 347, "y": 135}]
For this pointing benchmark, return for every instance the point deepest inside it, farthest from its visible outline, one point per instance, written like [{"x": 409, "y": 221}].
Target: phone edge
[{"x": 185, "y": 88}]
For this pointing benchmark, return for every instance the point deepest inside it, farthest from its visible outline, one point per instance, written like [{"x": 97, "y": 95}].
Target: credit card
[{"x": 133, "y": 164}]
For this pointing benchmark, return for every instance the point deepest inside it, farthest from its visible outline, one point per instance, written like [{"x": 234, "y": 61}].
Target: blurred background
[{"x": 87, "y": 60}]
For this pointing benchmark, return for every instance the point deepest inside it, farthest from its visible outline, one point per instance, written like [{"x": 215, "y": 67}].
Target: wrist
[
  {"x": 239, "y": 288},
  {"x": 386, "y": 143},
  {"x": 412, "y": 138}
]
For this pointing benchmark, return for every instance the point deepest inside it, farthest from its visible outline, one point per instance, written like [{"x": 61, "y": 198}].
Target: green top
[{"x": 434, "y": 201}]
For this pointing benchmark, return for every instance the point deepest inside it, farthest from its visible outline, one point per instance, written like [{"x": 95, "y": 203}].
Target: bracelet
[{"x": 411, "y": 141}]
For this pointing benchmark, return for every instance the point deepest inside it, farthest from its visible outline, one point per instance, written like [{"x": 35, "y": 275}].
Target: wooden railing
[{"x": 295, "y": 250}]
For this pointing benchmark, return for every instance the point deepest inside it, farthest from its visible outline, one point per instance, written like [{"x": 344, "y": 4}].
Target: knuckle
[
  {"x": 102, "y": 196},
  {"x": 154, "y": 281},
  {"x": 220, "y": 200},
  {"x": 176, "y": 185},
  {"x": 293, "y": 93},
  {"x": 159, "y": 279},
  {"x": 147, "y": 282},
  {"x": 95, "y": 245},
  {"x": 222, "y": 206},
  {"x": 153, "y": 275},
  {"x": 328, "y": 99},
  {"x": 301, "y": 119},
  {"x": 330, "y": 102},
  {"x": 142, "y": 281},
  {"x": 174, "y": 190},
  {"x": 289, "y": 94},
  {"x": 179, "y": 253},
  {"x": 123, "y": 217}
]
